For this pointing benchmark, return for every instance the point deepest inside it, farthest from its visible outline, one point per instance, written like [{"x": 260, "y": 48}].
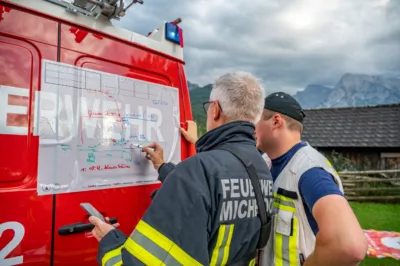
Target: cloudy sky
[{"x": 287, "y": 43}]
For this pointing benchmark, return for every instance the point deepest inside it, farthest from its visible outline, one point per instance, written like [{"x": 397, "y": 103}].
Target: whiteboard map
[{"x": 91, "y": 123}]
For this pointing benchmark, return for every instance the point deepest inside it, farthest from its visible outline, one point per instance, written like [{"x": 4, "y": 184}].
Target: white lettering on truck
[
  {"x": 56, "y": 104},
  {"x": 6, "y": 109}
]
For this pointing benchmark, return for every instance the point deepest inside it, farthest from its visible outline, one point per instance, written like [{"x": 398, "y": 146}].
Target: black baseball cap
[{"x": 285, "y": 104}]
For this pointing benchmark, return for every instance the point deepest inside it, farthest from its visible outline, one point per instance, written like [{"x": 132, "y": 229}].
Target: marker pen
[{"x": 140, "y": 146}]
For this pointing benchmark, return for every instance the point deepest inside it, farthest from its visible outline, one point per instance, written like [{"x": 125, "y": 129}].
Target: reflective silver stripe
[
  {"x": 285, "y": 250},
  {"x": 284, "y": 202},
  {"x": 153, "y": 248},
  {"x": 113, "y": 261}
]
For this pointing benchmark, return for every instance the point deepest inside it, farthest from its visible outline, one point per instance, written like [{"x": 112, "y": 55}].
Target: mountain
[
  {"x": 313, "y": 95},
  {"x": 351, "y": 90},
  {"x": 192, "y": 86},
  {"x": 363, "y": 90}
]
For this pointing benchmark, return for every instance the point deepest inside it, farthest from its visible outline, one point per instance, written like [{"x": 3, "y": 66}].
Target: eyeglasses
[{"x": 206, "y": 105}]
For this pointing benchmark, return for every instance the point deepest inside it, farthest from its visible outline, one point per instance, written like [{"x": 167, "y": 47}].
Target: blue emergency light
[{"x": 172, "y": 33}]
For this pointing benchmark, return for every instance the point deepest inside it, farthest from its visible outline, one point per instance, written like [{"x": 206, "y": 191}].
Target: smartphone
[{"x": 92, "y": 211}]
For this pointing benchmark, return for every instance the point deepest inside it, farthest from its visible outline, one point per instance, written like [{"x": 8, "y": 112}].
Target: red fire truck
[{"x": 53, "y": 229}]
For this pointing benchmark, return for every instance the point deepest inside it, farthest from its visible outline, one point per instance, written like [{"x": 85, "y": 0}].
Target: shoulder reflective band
[
  {"x": 284, "y": 203},
  {"x": 220, "y": 254},
  {"x": 153, "y": 248}
]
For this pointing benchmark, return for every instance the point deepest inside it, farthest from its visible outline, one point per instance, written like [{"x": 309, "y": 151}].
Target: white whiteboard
[{"x": 87, "y": 120}]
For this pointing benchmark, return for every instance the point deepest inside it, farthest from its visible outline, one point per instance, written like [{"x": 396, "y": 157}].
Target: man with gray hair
[{"x": 212, "y": 206}]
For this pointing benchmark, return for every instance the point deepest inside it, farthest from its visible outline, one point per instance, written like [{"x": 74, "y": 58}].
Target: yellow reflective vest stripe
[
  {"x": 286, "y": 253},
  {"x": 284, "y": 203}
]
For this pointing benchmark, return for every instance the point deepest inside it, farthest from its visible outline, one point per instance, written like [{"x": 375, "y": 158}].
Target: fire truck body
[{"x": 32, "y": 31}]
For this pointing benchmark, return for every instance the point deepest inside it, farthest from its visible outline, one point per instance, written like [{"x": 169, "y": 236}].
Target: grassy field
[{"x": 379, "y": 217}]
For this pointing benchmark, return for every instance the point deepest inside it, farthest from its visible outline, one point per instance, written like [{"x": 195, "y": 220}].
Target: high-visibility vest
[{"x": 293, "y": 239}]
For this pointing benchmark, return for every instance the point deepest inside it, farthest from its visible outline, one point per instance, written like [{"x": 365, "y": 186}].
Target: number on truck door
[{"x": 19, "y": 232}]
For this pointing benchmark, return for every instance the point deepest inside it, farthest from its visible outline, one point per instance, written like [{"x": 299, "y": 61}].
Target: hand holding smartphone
[{"x": 92, "y": 211}]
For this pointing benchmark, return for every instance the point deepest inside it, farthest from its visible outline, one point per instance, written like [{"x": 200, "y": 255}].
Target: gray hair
[{"x": 240, "y": 95}]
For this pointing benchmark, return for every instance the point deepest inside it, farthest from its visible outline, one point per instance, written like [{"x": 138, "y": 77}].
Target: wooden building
[{"x": 368, "y": 136}]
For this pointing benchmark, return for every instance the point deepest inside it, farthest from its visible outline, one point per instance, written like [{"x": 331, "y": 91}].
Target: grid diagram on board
[{"x": 86, "y": 79}]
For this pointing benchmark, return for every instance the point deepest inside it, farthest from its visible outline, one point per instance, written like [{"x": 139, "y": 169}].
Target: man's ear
[
  {"x": 216, "y": 111},
  {"x": 277, "y": 121}
]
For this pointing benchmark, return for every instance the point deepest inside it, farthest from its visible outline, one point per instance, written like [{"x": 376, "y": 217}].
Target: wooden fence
[{"x": 376, "y": 185}]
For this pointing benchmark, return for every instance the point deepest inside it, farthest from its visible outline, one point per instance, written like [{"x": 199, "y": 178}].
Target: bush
[
  {"x": 201, "y": 129},
  {"x": 341, "y": 163}
]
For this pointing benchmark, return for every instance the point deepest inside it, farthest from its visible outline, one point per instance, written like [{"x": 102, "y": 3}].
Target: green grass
[{"x": 384, "y": 217}]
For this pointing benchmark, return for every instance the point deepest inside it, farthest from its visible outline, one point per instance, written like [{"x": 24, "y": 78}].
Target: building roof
[{"x": 370, "y": 126}]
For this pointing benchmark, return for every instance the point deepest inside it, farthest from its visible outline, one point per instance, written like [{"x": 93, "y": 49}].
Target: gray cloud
[{"x": 287, "y": 43}]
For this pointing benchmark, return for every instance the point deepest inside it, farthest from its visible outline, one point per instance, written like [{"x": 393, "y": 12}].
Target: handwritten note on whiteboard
[{"x": 90, "y": 123}]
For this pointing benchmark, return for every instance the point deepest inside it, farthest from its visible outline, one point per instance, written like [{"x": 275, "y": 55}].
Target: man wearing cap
[{"x": 313, "y": 223}]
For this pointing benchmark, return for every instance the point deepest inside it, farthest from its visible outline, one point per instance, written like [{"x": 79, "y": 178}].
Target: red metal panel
[
  {"x": 27, "y": 26},
  {"x": 25, "y": 219}
]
